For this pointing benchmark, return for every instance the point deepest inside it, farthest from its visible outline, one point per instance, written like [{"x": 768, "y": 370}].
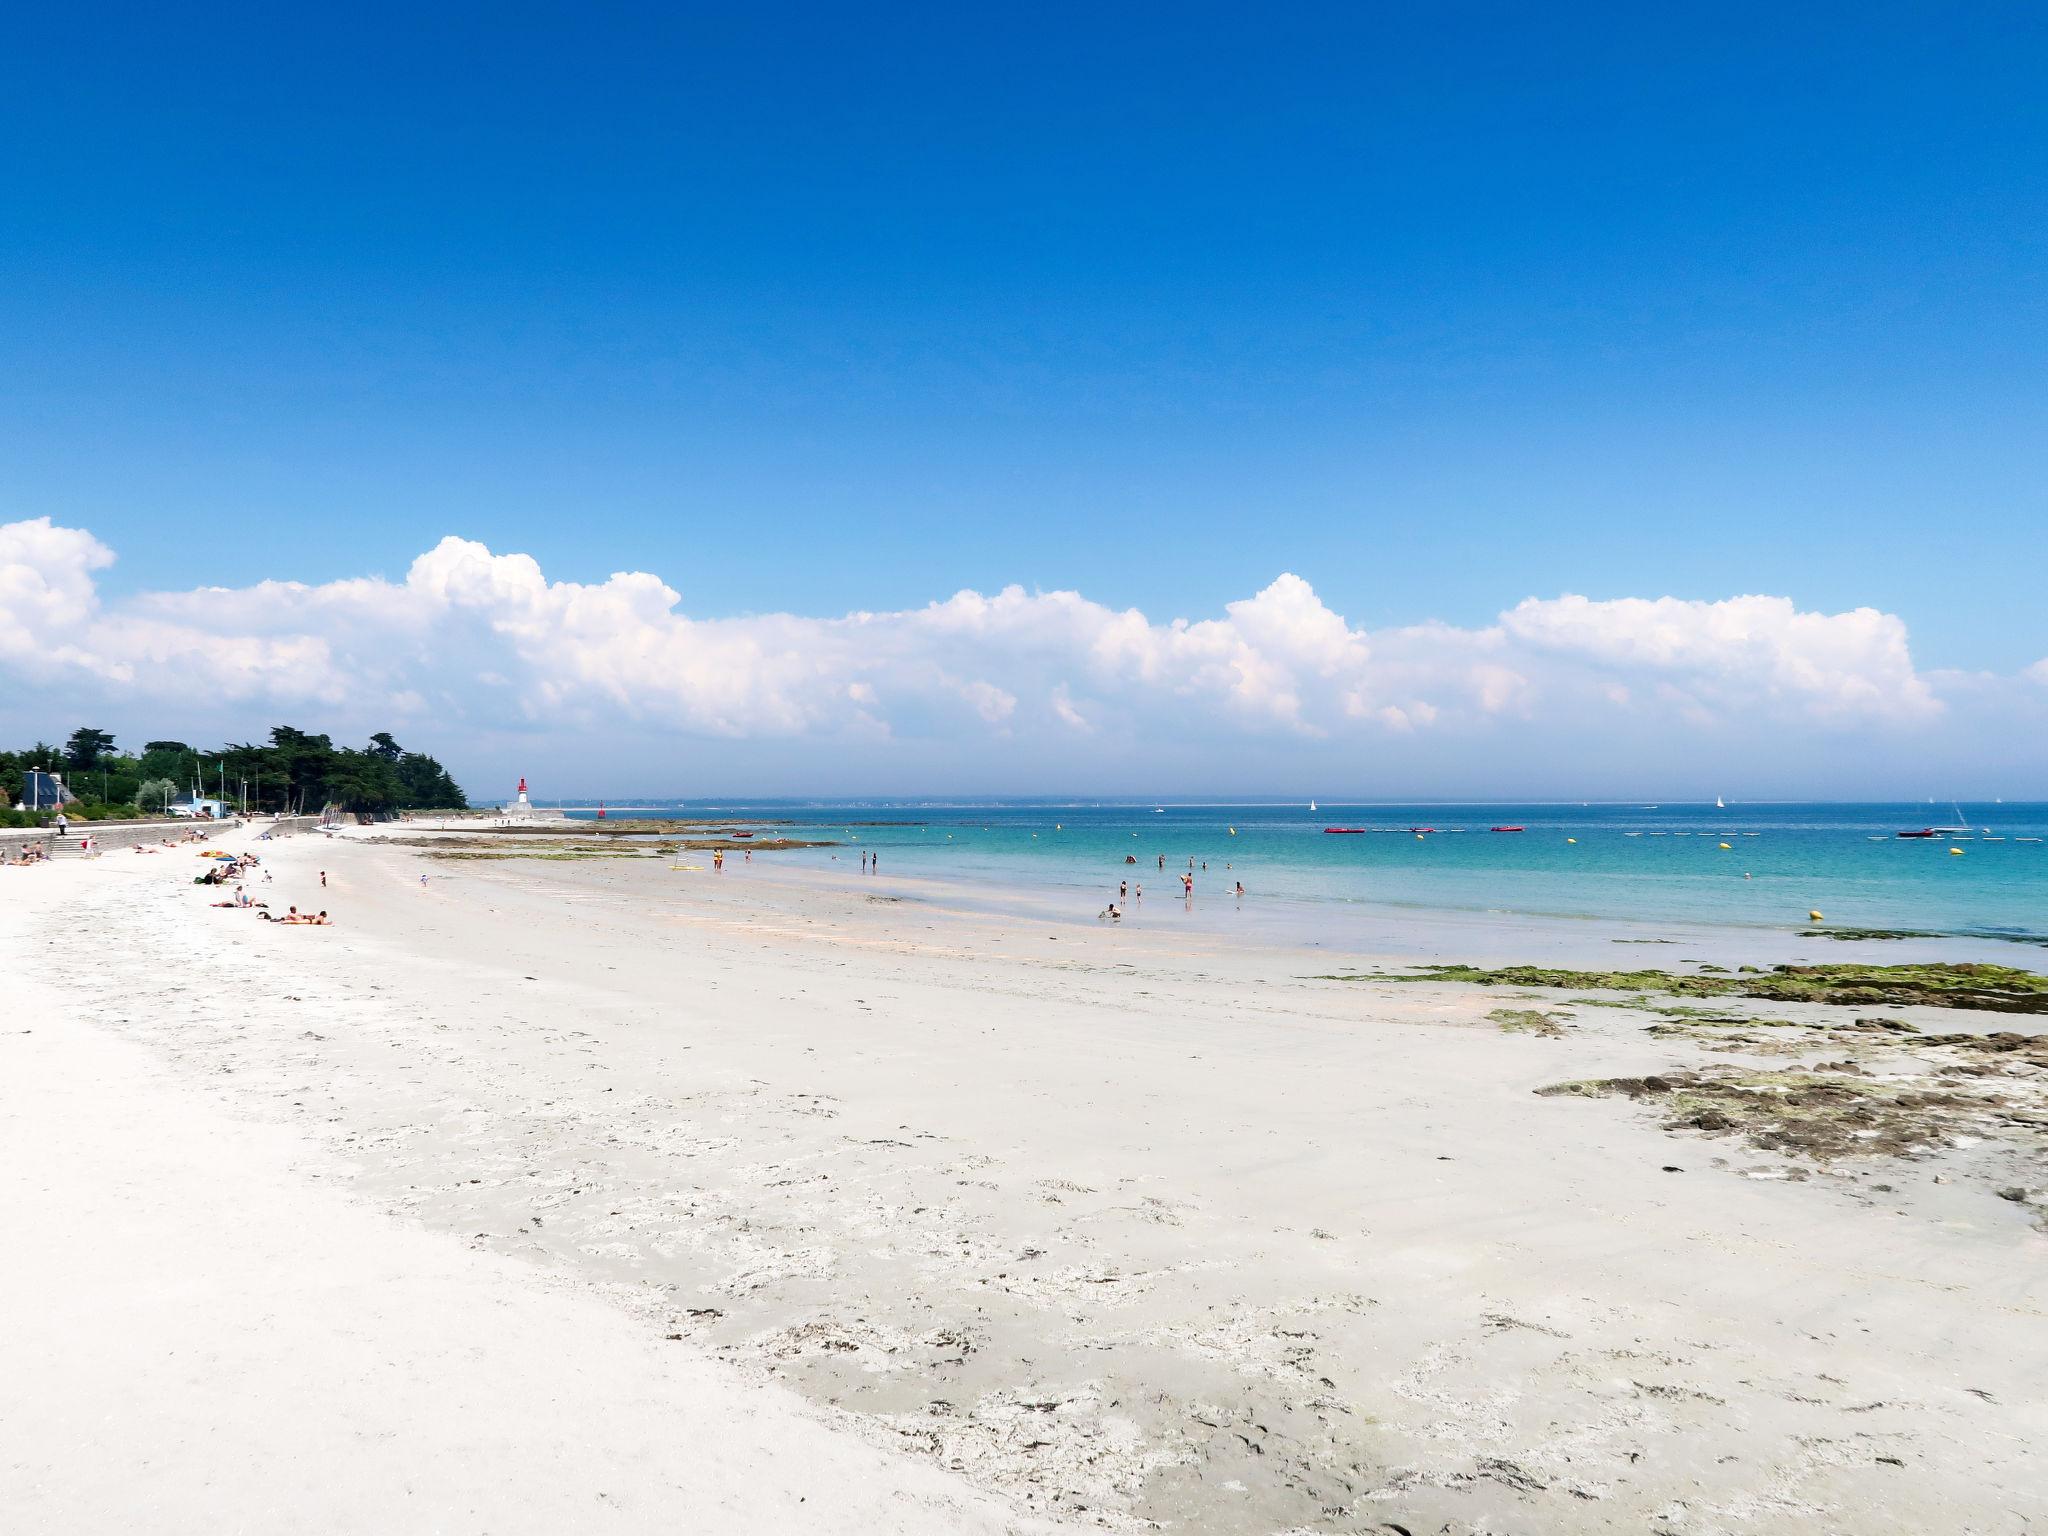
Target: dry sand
[
  {"x": 1133, "y": 1230},
  {"x": 206, "y": 1334}
]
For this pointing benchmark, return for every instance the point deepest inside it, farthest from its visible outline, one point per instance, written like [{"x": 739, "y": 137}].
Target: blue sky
[{"x": 831, "y": 308}]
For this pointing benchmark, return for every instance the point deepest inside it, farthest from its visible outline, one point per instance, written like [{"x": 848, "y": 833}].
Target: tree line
[{"x": 294, "y": 772}]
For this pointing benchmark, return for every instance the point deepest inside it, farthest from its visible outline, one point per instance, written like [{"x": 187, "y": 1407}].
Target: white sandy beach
[
  {"x": 390, "y": 1225},
  {"x": 208, "y": 1334}
]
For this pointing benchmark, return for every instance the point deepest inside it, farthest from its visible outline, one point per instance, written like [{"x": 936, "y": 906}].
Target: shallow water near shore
[{"x": 1660, "y": 868}]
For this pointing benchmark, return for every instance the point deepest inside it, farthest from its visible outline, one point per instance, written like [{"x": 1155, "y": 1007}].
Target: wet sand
[{"x": 1129, "y": 1227}]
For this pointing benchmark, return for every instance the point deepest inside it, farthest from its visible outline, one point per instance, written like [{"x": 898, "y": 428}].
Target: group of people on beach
[
  {"x": 41, "y": 851},
  {"x": 241, "y": 869},
  {"x": 231, "y": 871}
]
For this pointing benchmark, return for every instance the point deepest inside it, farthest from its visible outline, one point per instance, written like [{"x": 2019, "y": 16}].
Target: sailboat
[
  {"x": 1720, "y": 804},
  {"x": 1311, "y": 805}
]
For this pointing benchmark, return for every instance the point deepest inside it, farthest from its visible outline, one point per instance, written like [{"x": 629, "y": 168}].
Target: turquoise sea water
[{"x": 1640, "y": 862}]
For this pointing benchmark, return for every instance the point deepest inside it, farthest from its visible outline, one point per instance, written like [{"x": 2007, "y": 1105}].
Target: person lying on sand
[{"x": 298, "y": 919}]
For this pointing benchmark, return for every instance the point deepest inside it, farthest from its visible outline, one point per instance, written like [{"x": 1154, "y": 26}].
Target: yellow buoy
[
  {"x": 1957, "y": 851},
  {"x": 1233, "y": 831},
  {"x": 1418, "y": 837},
  {"x": 1059, "y": 826},
  {"x": 1571, "y": 839},
  {"x": 1813, "y": 917},
  {"x": 1727, "y": 845}
]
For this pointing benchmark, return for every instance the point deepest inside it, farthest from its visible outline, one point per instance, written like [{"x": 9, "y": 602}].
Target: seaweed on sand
[
  {"x": 1920, "y": 933},
  {"x": 1998, "y": 988},
  {"x": 1527, "y": 1021},
  {"x": 560, "y": 850},
  {"x": 1835, "y": 1110}
]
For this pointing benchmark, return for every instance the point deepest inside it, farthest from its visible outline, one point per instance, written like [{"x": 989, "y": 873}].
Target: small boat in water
[
  {"x": 1332, "y": 830},
  {"x": 1507, "y": 829}
]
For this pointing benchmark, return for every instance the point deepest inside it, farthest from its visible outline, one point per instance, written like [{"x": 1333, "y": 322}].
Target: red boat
[
  {"x": 1344, "y": 829},
  {"x": 1923, "y": 832},
  {"x": 1507, "y": 829}
]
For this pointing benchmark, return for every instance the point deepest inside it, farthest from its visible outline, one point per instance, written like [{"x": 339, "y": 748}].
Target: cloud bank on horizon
[{"x": 473, "y": 640}]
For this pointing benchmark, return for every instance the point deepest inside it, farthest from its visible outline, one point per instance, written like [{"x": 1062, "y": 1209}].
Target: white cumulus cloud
[{"x": 487, "y": 639}]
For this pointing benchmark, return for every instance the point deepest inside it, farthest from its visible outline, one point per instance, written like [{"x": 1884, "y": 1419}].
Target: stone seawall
[{"x": 110, "y": 835}]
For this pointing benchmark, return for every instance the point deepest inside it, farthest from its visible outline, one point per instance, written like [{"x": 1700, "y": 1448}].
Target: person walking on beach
[{"x": 323, "y": 879}]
